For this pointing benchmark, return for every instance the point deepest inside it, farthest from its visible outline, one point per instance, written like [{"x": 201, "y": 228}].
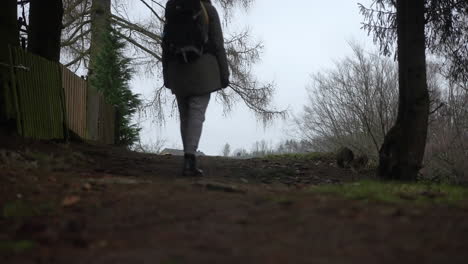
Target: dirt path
[{"x": 104, "y": 205}]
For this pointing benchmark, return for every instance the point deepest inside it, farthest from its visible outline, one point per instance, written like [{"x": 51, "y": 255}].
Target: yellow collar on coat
[{"x": 205, "y": 13}]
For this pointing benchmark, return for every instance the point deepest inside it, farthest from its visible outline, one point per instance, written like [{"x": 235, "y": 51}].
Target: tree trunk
[
  {"x": 9, "y": 36},
  {"x": 100, "y": 22},
  {"x": 402, "y": 152},
  {"x": 45, "y": 28}
]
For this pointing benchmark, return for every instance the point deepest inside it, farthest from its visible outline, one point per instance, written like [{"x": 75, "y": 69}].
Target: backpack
[{"x": 186, "y": 29}]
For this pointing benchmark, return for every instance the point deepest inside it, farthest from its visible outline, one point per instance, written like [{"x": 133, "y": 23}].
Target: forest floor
[{"x": 79, "y": 203}]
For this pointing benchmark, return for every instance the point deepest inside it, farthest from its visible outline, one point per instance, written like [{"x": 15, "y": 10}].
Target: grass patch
[
  {"x": 283, "y": 201},
  {"x": 48, "y": 162},
  {"x": 53, "y": 162},
  {"x": 16, "y": 247},
  {"x": 397, "y": 192},
  {"x": 19, "y": 210}
]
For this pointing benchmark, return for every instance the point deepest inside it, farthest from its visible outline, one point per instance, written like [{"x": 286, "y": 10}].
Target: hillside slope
[{"x": 78, "y": 203}]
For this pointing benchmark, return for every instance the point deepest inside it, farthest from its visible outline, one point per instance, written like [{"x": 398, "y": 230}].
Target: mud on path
[{"x": 93, "y": 204}]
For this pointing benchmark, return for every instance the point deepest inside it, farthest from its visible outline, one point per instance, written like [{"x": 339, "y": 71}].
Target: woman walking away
[{"x": 194, "y": 65}]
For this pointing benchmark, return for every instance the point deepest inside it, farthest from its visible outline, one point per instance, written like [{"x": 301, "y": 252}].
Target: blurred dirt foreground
[{"x": 81, "y": 203}]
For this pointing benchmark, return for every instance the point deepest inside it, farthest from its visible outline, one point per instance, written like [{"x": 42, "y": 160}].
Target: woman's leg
[
  {"x": 197, "y": 106},
  {"x": 182, "y": 103},
  {"x": 192, "y": 115}
]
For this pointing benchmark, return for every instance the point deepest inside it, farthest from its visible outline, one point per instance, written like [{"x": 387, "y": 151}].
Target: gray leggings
[{"x": 192, "y": 111}]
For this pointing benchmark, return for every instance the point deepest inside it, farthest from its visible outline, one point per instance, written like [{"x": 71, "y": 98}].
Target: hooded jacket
[{"x": 208, "y": 73}]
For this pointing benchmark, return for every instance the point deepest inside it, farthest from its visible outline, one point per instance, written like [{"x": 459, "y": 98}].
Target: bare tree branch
[
  {"x": 135, "y": 27},
  {"x": 77, "y": 59},
  {"x": 139, "y": 46},
  {"x": 153, "y": 11}
]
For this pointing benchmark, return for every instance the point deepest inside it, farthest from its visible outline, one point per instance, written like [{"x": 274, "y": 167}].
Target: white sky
[{"x": 300, "y": 37}]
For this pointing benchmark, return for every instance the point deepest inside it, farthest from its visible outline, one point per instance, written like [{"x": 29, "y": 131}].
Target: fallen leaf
[
  {"x": 87, "y": 187},
  {"x": 70, "y": 200},
  {"x": 102, "y": 243}
]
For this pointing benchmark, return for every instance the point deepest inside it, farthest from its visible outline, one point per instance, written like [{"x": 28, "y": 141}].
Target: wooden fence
[
  {"x": 39, "y": 96},
  {"x": 75, "y": 98},
  {"x": 48, "y": 100},
  {"x": 100, "y": 119}
]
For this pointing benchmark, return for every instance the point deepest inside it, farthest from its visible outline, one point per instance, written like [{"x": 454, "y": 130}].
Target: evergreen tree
[{"x": 111, "y": 77}]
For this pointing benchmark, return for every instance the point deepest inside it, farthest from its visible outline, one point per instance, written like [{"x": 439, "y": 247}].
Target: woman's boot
[{"x": 190, "y": 166}]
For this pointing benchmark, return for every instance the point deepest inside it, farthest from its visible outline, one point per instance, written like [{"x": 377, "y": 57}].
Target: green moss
[
  {"x": 283, "y": 201},
  {"x": 20, "y": 209},
  {"x": 53, "y": 162},
  {"x": 397, "y": 192},
  {"x": 16, "y": 247}
]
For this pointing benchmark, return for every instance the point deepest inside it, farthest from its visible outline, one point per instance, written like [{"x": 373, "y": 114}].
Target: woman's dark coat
[{"x": 205, "y": 75}]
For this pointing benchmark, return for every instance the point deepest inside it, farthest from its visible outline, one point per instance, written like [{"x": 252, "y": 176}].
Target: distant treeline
[{"x": 264, "y": 148}]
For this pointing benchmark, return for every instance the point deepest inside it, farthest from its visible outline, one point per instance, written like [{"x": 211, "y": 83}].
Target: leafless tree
[
  {"x": 353, "y": 105},
  {"x": 262, "y": 148},
  {"x": 290, "y": 146},
  {"x": 240, "y": 153},
  {"x": 154, "y": 147},
  {"x": 226, "y": 150},
  {"x": 76, "y": 34},
  {"x": 447, "y": 148}
]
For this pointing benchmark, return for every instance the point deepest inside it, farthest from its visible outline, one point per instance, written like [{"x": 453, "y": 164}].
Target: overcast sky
[{"x": 300, "y": 37}]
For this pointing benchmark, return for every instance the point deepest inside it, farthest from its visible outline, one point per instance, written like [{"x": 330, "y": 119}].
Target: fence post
[{"x": 92, "y": 114}]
